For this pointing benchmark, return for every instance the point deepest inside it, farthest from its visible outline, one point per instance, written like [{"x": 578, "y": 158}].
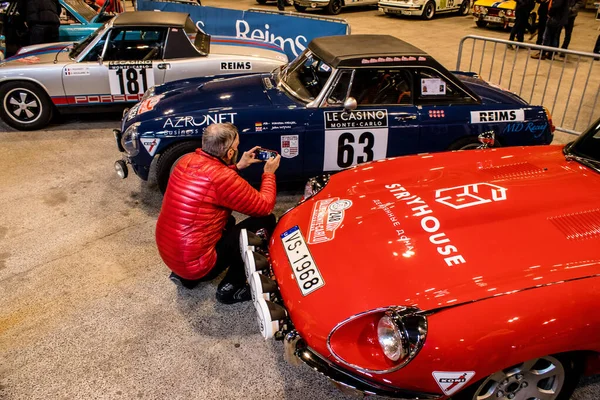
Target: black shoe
[
  {"x": 186, "y": 283},
  {"x": 228, "y": 293}
]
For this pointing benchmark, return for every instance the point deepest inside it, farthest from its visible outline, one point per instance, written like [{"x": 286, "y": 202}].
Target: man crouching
[{"x": 196, "y": 234}]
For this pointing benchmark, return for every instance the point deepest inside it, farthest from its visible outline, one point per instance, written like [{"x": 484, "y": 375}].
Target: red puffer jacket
[{"x": 201, "y": 194}]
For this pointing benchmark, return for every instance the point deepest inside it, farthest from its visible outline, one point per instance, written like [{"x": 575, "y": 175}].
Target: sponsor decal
[
  {"x": 386, "y": 208},
  {"x": 354, "y": 137},
  {"x": 29, "y": 60},
  {"x": 433, "y": 87},
  {"x": 133, "y": 112},
  {"x": 356, "y": 119},
  {"x": 258, "y": 126},
  {"x": 451, "y": 382},
  {"x": 437, "y": 114},
  {"x": 389, "y": 59},
  {"x": 77, "y": 71},
  {"x": 326, "y": 218},
  {"x": 470, "y": 195},
  {"x": 150, "y": 145},
  {"x": 236, "y": 66},
  {"x": 136, "y": 64},
  {"x": 281, "y": 125},
  {"x": 289, "y": 146},
  {"x": 297, "y": 45},
  {"x": 429, "y": 223},
  {"x": 185, "y": 122},
  {"x": 130, "y": 77},
  {"x": 149, "y": 104},
  {"x": 531, "y": 127},
  {"x": 107, "y": 98},
  {"x": 483, "y": 117}
]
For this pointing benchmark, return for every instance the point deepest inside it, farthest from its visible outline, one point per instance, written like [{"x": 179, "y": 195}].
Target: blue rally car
[{"x": 345, "y": 100}]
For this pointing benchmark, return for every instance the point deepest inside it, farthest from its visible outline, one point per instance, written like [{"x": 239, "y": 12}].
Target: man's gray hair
[{"x": 218, "y": 138}]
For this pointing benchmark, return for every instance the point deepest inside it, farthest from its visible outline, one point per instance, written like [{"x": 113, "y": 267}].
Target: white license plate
[
  {"x": 494, "y": 19},
  {"x": 305, "y": 270}
]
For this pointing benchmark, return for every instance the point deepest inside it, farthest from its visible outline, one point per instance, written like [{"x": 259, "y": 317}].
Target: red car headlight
[{"x": 379, "y": 341}]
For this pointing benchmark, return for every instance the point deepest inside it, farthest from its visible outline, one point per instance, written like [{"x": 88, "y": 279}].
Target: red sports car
[{"x": 472, "y": 275}]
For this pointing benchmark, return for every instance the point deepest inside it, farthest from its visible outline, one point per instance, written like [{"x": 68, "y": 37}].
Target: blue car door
[
  {"x": 444, "y": 112},
  {"x": 383, "y": 124}
]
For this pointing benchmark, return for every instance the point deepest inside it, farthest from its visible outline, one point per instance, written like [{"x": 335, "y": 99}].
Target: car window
[
  {"x": 66, "y": 18},
  {"x": 96, "y": 51},
  {"x": 306, "y": 76},
  {"x": 339, "y": 91},
  {"x": 135, "y": 44},
  {"x": 588, "y": 144},
  {"x": 433, "y": 88},
  {"x": 382, "y": 86}
]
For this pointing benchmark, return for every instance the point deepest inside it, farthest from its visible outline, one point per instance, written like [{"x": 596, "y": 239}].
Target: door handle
[
  {"x": 406, "y": 117},
  {"x": 164, "y": 66}
]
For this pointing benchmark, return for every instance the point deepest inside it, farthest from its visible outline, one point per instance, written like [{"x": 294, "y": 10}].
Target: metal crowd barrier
[{"x": 569, "y": 87}]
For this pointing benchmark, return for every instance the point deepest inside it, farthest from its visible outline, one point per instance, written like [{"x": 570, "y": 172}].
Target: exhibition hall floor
[{"x": 86, "y": 307}]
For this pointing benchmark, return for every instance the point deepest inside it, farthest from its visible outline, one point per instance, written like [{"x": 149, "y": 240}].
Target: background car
[
  {"x": 331, "y": 6},
  {"x": 465, "y": 275},
  {"x": 426, "y": 9},
  {"x": 346, "y": 100},
  {"x": 77, "y": 21},
  {"x": 500, "y": 13},
  {"x": 115, "y": 65}
]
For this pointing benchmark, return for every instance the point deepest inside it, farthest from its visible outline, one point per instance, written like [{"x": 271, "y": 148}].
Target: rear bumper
[
  {"x": 312, "y": 4},
  {"x": 399, "y": 8},
  {"x": 345, "y": 380}
]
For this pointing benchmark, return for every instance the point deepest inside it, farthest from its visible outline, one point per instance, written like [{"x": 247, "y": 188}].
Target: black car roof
[
  {"x": 152, "y": 18},
  {"x": 345, "y": 50}
]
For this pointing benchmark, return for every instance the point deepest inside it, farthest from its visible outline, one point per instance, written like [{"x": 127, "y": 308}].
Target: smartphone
[{"x": 265, "y": 154}]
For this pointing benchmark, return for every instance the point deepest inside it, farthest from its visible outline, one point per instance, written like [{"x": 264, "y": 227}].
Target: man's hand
[
  {"x": 248, "y": 158},
  {"x": 272, "y": 164}
]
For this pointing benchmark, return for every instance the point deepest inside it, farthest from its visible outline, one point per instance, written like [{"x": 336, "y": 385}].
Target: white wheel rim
[{"x": 23, "y": 106}]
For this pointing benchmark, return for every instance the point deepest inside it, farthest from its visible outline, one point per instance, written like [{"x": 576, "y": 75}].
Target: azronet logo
[{"x": 326, "y": 218}]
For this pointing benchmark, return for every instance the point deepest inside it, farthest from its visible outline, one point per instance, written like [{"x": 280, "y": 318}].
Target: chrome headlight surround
[
  {"x": 130, "y": 141},
  {"x": 148, "y": 93},
  {"x": 410, "y": 327},
  {"x": 483, "y": 10},
  {"x": 314, "y": 185}
]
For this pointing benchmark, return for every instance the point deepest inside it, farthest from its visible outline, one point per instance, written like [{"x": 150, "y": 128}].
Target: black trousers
[
  {"x": 39, "y": 34},
  {"x": 521, "y": 20},
  {"x": 597, "y": 46},
  {"x": 568, "y": 31},
  {"x": 281, "y": 5},
  {"x": 228, "y": 248},
  {"x": 543, "y": 18}
]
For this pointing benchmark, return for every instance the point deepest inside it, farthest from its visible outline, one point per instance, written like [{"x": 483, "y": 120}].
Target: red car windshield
[{"x": 587, "y": 146}]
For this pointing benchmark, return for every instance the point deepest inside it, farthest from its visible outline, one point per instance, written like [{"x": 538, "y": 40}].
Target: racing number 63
[{"x": 345, "y": 155}]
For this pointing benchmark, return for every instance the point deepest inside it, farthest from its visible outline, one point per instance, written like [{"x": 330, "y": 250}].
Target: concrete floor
[{"x": 86, "y": 309}]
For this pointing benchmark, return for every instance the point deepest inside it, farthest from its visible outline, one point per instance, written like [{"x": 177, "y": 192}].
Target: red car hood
[{"x": 416, "y": 235}]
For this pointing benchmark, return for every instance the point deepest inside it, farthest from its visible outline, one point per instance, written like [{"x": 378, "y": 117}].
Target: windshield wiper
[{"x": 587, "y": 161}]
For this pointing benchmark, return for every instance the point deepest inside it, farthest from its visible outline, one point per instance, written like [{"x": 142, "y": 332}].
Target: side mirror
[
  {"x": 350, "y": 104},
  {"x": 486, "y": 139}
]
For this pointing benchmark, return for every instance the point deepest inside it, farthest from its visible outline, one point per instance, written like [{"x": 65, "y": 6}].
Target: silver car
[{"x": 115, "y": 65}]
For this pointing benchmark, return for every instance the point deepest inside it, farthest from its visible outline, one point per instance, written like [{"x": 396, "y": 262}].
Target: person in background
[
  {"x": 281, "y": 5},
  {"x": 196, "y": 234},
  {"x": 558, "y": 14},
  {"x": 542, "y": 19},
  {"x": 522, "y": 11},
  {"x": 42, "y": 18},
  {"x": 574, "y": 6}
]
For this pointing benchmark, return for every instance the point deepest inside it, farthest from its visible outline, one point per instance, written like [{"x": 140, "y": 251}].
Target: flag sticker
[{"x": 452, "y": 382}]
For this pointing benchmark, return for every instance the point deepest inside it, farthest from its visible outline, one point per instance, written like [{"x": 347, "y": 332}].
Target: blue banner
[{"x": 290, "y": 32}]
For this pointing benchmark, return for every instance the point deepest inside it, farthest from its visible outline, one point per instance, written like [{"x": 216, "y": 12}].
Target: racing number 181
[{"x": 129, "y": 80}]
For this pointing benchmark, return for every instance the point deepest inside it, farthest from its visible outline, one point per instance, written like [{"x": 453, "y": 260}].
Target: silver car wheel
[
  {"x": 22, "y": 105},
  {"x": 539, "y": 379}
]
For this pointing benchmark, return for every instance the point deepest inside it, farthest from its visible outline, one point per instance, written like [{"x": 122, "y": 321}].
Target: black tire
[
  {"x": 429, "y": 10},
  {"x": 261, "y": 2},
  {"x": 481, "y": 24},
  {"x": 169, "y": 158},
  {"x": 334, "y": 7},
  {"x": 299, "y": 8},
  {"x": 572, "y": 367},
  {"x": 465, "y": 7},
  {"x": 532, "y": 22},
  {"x": 25, "y": 106}
]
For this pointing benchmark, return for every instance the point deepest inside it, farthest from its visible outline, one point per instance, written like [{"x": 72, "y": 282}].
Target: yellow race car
[{"x": 500, "y": 13}]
